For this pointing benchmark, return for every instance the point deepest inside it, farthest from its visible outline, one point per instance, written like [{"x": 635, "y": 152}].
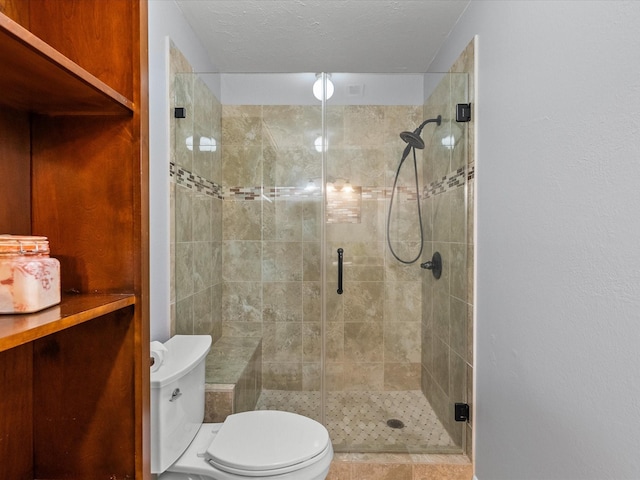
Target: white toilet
[{"x": 251, "y": 445}]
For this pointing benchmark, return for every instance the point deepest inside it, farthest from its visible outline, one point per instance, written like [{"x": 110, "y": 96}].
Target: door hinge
[
  {"x": 463, "y": 112},
  {"x": 461, "y": 412}
]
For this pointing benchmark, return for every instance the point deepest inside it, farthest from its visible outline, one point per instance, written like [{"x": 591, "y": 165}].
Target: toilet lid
[{"x": 265, "y": 440}]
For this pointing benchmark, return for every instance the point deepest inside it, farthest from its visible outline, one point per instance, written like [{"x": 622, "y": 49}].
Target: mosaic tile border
[
  {"x": 243, "y": 193},
  {"x": 270, "y": 193},
  {"x": 202, "y": 185},
  {"x": 344, "y": 208},
  {"x": 195, "y": 182},
  {"x": 447, "y": 183}
]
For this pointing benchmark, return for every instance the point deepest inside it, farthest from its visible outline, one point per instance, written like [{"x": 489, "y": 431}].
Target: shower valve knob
[{"x": 435, "y": 265}]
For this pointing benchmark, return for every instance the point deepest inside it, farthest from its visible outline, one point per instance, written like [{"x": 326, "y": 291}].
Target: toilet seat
[
  {"x": 195, "y": 462},
  {"x": 267, "y": 442},
  {"x": 292, "y": 469}
]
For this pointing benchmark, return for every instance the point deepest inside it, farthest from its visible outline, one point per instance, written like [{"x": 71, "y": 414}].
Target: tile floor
[{"x": 357, "y": 421}]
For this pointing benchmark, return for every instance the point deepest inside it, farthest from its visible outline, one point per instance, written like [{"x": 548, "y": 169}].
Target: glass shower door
[{"x": 389, "y": 332}]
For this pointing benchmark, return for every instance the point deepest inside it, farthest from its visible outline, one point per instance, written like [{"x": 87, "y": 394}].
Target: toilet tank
[{"x": 177, "y": 398}]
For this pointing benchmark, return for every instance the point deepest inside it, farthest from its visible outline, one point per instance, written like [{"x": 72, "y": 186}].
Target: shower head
[{"x": 413, "y": 139}]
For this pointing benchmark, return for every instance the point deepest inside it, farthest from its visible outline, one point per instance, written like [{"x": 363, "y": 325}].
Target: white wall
[
  {"x": 558, "y": 236},
  {"x": 165, "y": 21}
]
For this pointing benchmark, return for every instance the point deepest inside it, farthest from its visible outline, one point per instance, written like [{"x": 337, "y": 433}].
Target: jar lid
[{"x": 23, "y": 245}]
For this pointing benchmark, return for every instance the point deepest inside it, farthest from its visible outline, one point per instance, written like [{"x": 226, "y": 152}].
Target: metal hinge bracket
[
  {"x": 463, "y": 112},
  {"x": 461, "y": 412}
]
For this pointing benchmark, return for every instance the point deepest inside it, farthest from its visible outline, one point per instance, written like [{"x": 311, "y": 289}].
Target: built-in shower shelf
[
  {"x": 233, "y": 377},
  {"x": 73, "y": 310}
]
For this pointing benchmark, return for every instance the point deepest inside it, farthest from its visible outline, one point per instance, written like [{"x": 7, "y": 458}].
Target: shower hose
[{"x": 395, "y": 181}]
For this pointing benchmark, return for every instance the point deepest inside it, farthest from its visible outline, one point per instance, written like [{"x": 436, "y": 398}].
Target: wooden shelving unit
[
  {"x": 16, "y": 330},
  {"x": 74, "y": 168}
]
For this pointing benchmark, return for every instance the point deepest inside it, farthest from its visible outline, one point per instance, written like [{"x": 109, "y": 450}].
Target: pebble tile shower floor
[{"x": 357, "y": 421}]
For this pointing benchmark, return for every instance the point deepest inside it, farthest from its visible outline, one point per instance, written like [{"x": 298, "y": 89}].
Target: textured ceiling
[{"x": 365, "y": 36}]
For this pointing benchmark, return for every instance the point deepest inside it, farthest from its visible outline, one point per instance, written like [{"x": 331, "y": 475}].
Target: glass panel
[
  {"x": 445, "y": 303},
  {"x": 196, "y": 182}
]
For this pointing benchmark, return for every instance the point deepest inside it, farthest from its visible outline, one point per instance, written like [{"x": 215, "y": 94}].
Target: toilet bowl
[
  {"x": 253, "y": 445},
  {"x": 267, "y": 444}
]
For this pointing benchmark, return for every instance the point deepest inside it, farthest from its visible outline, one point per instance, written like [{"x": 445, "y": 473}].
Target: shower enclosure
[{"x": 281, "y": 208}]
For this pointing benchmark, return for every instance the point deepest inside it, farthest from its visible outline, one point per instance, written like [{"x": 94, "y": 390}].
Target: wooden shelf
[
  {"x": 73, "y": 310},
  {"x": 37, "y": 78}
]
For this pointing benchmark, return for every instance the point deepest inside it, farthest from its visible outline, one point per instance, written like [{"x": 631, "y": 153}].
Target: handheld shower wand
[{"x": 413, "y": 140}]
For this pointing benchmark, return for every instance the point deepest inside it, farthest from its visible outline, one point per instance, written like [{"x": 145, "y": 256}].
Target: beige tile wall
[{"x": 271, "y": 247}]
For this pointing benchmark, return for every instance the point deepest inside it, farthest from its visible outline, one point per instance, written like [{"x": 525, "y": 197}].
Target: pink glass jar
[{"x": 29, "y": 278}]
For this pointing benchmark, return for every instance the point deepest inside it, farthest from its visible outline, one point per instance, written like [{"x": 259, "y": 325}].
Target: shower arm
[{"x": 437, "y": 120}]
